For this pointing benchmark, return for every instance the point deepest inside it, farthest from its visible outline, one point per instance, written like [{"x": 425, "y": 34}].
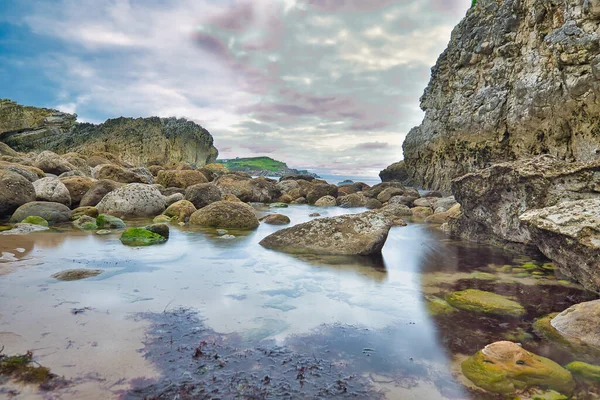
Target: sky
[{"x": 332, "y": 86}]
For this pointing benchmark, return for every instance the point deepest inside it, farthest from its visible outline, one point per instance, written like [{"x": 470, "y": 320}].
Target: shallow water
[{"x": 364, "y": 317}]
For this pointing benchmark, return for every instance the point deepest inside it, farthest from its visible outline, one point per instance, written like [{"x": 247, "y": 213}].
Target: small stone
[
  {"x": 278, "y": 205},
  {"x": 76, "y": 274},
  {"x": 102, "y": 232}
]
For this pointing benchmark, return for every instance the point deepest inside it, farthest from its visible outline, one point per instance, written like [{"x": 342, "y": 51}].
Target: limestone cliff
[
  {"x": 137, "y": 141},
  {"x": 519, "y": 78}
]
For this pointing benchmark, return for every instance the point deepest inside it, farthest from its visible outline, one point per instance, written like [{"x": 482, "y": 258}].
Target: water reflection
[{"x": 338, "y": 305}]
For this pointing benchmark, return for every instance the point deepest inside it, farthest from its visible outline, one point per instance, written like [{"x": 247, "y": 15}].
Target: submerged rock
[
  {"x": 141, "y": 237},
  {"x": 225, "y": 214},
  {"x": 54, "y": 213},
  {"x": 85, "y": 223},
  {"x": 76, "y": 274},
  {"x": 357, "y": 234},
  {"x": 161, "y": 229},
  {"x": 35, "y": 220},
  {"x": 479, "y": 301},
  {"x": 585, "y": 372},
  {"x": 106, "y": 221},
  {"x": 569, "y": 234},
  {"x": 23, "y": 229},
  {"x": 580, "y": 324},
  {"x": 505, "y": 367}
]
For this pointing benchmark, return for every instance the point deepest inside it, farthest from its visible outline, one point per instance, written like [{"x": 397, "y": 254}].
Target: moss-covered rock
[
  {"x": 485, "y": 303},
  {"x": 76, "y": 274},
  {"x": 85, "y": 223},
  {"x": 105, "y": 221},
  {"x": 182, "y": 210},
  {"x": 35, "y": 220},
  {"x": 141, "y": 237},
  {"x": 161, "y": 219},
  {"x": 436, "y": 306},
  {"x": 5, "y": 228},
  {"x": 161, "y": 229},
  {"x": 585, "y": 372},
  {"x": 88, "y": 210},
  {"x": 505, "y": 367}
]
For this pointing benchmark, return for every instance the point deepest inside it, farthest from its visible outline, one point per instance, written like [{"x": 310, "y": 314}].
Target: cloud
[{"x": 326, "y": 84}]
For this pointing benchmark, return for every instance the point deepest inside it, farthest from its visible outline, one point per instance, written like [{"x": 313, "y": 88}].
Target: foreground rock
[
  {"x": 518, "y": 78},
  {"x": 580, "y": 324},
  {"x": 505, "y": 367},
  {"x": 54, "y": 213},
  {"x": 482, "y": 302},
  {"x": 15, "y": 190},
  {"x": 133, "y": 200},
  {"x": 569, "y": 234},
  {"x": 225, "y": 214},
  {"x": 358, "y": 234},
  {"x": 203, "y": 194},
  {"x": 24, "y": 229},
  {"x": 493, "y": 199}
]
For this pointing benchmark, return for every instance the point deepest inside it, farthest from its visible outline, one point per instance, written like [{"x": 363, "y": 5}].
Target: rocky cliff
[
  {"x": 519, "y": 78},
  {"x": 136, "y": 141}
]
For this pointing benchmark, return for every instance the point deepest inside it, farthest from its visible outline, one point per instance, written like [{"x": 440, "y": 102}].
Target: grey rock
[
  {"x": 52, "y": 189},
  {"x": 15, "y": 190},
  {"x": 52, "y": 212},
  {"x": 24, "y": 229},
  {"x": 133, "y": 200}
]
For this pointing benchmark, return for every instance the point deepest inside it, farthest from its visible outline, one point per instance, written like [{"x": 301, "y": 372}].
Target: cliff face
[
  {"x": 136, "y": 141},
  {"x": 519, "y": 78}
]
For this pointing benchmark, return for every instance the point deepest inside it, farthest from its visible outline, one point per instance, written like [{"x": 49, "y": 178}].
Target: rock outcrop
[
  {"x": 569, "y": 234},
  {"x": 493, "y": 199},
  {"x": 519, "y": 78},
  {"x": 137, "y": 141}
]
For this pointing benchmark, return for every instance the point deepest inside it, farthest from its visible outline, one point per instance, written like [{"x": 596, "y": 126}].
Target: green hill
[{"x": 261, "y": 166}]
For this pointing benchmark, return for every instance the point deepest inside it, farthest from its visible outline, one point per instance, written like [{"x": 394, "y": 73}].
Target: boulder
[
  {"x": 133, "y": 200},
  {"x": 203, "y": 194},
  {"x": 118, "y": 174},
  {"x": 32, "y": 174},
  {"x": 225, "y": 214},
  {"x": 396, "y": 172},
  {"x": 297, "y": 177},
  {"x": 52, "y": 163},
  {"x": 97, "y": 192},
  {"x": 493, "y": 199},
  {"x": 285, "y": 198},
  {"x": 180, "y": 178},
  {"x": 580, "y": 324},
  {"x": 354, "y": 200},
  {"x": 15, "y": 190},
  {"x": 52, "y": 189},
  {"x": 505, "y": 367},
  {"x": 569, "y": 234},
  {"x": 288, "y": 185},
  {"x": 387, "y": 193},
  {"x": 161, "y": 229},
  {"x": 326, "y": 201},
  {"x": 444, "y": 216},
  {"x": 174, "y": 198},
  {"x": 373, "y": 204},
  {"x": 421, "y": 212},
  {"x": 320, "y": 190},
  {"x": 181, "y": 210},
  {"x": 356, "y": 234},
  {"x": 85, "y": 223},
  {"x": 77, "y": 186},
  {"x": 479, "y": 301},
  {"x": 375, "y": 190},
  {"x": 346, "y": 190},
  {"x": 258, "y": 190},
  {"x": 54, "y": 213},
  {"x": 276, "y": 219},
  {"x": 405, "y": 200},
  {"x": 155, "y": 169},
  {"x": 105, "y": 221},
  {"x": 80, "y": 211}
]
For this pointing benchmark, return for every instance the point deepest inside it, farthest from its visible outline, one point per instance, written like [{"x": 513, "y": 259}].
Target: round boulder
[
  {"x": 133, "y": 200},
  {"x": 15, "y": 190},
  {"x": 97, "y": 192},
  {"x": 52, "y": 163},
  {"x": 52, "y": 212},
  {"x": 182, "y": 210},
  {"x": 180, "y": 178},
  {"x": 326, "y": 201},
  {"x": 276, "y": 219},
  {"x": 77, "y": 186},
  {"x": 52, "y": 189},
  {"x": 203, "y": 194},
  {"x": 225, "y": 214}
]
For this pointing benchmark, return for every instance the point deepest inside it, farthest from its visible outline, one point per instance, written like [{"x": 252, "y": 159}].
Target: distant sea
[{"x": 335, "y": 179}]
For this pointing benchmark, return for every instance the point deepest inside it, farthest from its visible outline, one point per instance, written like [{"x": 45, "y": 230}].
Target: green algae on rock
[
  {"x": 35, "y": 220},
  {"x": 105, "y": 221},
  {"x": 483, "y": 302},
  {"x": 85, "y": 223},
  {"x": 161, "y": 219},
  {"x": 505, "y": 367},
  {"x": 584, "y": 371},
  {"x": 141, "y": 237},
  {"x": 76, "y": 274},
  {"x": 436, "y": 306}
]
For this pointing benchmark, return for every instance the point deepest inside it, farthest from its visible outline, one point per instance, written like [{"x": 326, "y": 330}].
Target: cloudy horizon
[{"x": 332, "y": 86}]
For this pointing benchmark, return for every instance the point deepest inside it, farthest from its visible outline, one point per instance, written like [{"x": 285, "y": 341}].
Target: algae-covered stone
[
  {"x": 436, "y": 306},
  {"x": 484, "y": 276},
  {"x": 85, "y": 223},
  {"x": 105, "y": 221},
  {"x": 278, "y": 205},
  {"x": 103, "y": 232},
  {"x": 483, "y": 302},
  {"x": 35, "y": 220},
  {"x": 54, "y": 213},
  {"x": 76, "y": 274},
  {"x": 505, "y": 367},
  {"x": 181, "y": 210},
  {"x": 225, "y": 214},
  {"x": 161, "y": 229},
  {"x": 141, "y": 237},
  {"x": 585, "y": 372},
  {"x": 86, "y": 210}
]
